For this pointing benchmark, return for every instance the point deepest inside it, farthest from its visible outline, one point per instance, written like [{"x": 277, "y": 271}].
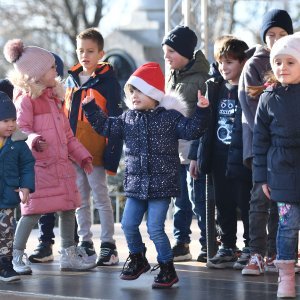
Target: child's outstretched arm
[{"x": 202, "y": 101}]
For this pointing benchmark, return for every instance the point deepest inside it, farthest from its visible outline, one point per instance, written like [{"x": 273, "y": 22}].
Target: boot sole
[
  {"x": 128, "y": 277},
  {"x": 41, "y": 260},
  {"x": 10, "y": 279},
  {"x": 165, "y": 285}
]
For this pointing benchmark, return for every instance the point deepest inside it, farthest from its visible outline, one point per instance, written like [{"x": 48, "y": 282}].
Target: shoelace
[
  {"x": 126, "y": 264},
  {"x": 105, "y": 252},
  {"x": 20, "y": 260},
  {"x": 154, "y": 268},
  {"x": 255, "y": 260}
]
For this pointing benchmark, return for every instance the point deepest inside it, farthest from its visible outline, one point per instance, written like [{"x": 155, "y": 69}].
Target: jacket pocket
[{"x": 46, "y": 175}]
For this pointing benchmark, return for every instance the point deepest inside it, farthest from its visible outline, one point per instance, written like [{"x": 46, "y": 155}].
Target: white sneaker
[
  {"x": 18, "y": 264},
  {"x": 87, "y": 258},
  {"x": 74, "y": 259}
]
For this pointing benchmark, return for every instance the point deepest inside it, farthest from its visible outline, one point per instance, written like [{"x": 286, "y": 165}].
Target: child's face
[
  {"x": 88, "y": 54},
  {"x": 140, "y": 101},
  {"x": 48, "y": 79},
  {"x": 7, "y": 127},
  {"x": 286, "y": 69},
  {"x": 173, "y": 59},
  {"x": 230, "y": 69},
  {"x": 273, "y": 35}
]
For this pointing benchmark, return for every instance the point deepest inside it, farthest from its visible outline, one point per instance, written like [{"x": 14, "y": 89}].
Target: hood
[
  {"x": 102, "y": 71},
  {"x": 19, "y": 135},
  {"x": 170, "y": 101},
  {"x": 199, "y": 64},
  {"x": 260, "y": 51}
]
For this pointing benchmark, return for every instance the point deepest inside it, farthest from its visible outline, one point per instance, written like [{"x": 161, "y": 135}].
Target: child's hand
[
  {"x": 194, "y": 172},
  {"x": 24, "y": 194},
  {"x": 202, "y": 101},
  {"x": 87, "y": 165},
  {"x": 266, "y": 190},
  {"x": 87, "y": 99},
  {"x": 40, "y": 144}
]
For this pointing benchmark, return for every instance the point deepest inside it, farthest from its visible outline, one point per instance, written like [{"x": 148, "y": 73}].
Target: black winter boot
[
  {"x": 166, "y": 277},
  {"x": 135, "y": 265},
  {"x": 7, "y": 272}
]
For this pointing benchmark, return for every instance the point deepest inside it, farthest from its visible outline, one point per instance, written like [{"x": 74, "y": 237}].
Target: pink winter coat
[{"x": 55, "y": 176}]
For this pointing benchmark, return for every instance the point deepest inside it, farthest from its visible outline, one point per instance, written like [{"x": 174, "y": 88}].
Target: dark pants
[
  {"x": 46, "y": 226},
  {"x": 230, "y": 194},
  {"x": 263, "y": 215},
  {"x": 190, "y": 202}
]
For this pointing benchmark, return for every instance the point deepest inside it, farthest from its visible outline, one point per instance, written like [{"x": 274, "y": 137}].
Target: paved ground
[{"x": 196, "y": 281}]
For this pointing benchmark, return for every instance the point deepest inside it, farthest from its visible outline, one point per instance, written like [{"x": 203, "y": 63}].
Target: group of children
[{"x": 74, "y": 137}]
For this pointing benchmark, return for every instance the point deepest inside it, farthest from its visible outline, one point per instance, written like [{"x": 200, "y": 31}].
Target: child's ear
[{"x": 101, "y": 54}]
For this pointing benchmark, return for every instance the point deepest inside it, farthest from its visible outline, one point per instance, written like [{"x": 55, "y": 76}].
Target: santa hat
[{"x": 149, "y": 79}]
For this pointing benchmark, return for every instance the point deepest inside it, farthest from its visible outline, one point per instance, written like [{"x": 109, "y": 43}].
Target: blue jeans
[
  {"x": 191, "y": 201},
  {"x": 288, "y": 227},
  {"x": 132, "y": 217}
]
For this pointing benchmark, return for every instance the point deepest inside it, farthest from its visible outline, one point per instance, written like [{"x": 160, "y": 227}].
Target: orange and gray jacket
[{"x": 104, "y": 87}]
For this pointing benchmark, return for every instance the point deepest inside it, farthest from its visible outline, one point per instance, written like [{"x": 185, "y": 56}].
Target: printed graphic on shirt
[{"x": 226, "y": 114}]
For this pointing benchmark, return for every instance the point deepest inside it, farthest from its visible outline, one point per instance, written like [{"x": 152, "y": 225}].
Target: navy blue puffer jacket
[{"x": 151, "y": 146}]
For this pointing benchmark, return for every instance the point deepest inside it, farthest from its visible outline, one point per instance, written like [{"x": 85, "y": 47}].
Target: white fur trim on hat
[{"x": 145, "y": 88}]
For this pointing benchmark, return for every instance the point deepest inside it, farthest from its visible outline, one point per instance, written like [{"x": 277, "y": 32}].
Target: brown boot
[{"x": 286, "y": 279}]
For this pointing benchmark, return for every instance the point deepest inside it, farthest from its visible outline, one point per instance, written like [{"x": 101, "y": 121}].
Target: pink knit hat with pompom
[{"x": 31, "y": 61}]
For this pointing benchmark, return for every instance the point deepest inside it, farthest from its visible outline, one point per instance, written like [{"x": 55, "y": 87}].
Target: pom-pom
[{"x": 13, "y": 49}]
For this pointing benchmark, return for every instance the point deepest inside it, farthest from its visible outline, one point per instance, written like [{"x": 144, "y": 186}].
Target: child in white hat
[
  {"x": 276, "y": 148},
  {"x": 150, "y": 129},
  {"x": 38, "y": 101}
]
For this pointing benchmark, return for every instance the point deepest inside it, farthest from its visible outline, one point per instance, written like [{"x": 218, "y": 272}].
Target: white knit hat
[
  {"x": 149, "y": 79},
  {"x": 31, "y": 61},
  {"x": 288, "y": 45}
]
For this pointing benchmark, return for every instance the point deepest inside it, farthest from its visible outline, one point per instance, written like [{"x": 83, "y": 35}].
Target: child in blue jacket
[{"x": 16, "y": 181}]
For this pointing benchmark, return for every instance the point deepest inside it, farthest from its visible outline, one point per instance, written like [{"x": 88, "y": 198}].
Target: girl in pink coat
[{"x": 38, "y": 99}]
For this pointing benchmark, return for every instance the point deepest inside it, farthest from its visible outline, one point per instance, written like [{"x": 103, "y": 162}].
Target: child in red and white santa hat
[{"x": 150, "y": 129}]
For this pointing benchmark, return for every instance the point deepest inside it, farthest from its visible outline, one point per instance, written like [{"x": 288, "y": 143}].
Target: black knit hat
[
  {"x": 7, "y": 107},
  {"x": 7, "y": 87},
  {"x": 182, "y": 39},
  {"x": 276, "y": 18}
]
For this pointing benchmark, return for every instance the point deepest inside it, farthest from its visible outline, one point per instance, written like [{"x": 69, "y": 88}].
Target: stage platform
[{"x": 195, "y": 280}]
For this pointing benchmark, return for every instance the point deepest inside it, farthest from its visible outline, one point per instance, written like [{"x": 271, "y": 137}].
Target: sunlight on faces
[
  {"x": 7, "y": 127},
  {"x": 230, "y": 69},
  {"x": 48, "y": 79},
  {"x": 273, "y": 35},
  {"x": 88, "y": 54},
  {"x": 286, "y": 69},
  {"x": 140, "y": 101},
  {"x": 173, "y": 59}
]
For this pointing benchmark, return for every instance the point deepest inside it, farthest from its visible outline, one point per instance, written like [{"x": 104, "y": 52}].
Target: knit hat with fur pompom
[{"x": 31, "y": 61}]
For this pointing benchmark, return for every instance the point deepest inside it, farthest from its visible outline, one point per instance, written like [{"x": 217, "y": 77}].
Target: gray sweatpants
[{"x": 26, "y": 224}]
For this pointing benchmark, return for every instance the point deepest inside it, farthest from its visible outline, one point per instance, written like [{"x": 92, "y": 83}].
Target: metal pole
[{"x": 204, "y": 26}]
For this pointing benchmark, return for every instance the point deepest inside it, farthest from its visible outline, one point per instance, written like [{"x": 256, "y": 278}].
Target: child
[
  {"x": 39, "y": 114},
  {"x": 276, "y": 148},
  {"x": 17, "y": 181},
  {"x": 220, "y": 151},
  {"x": 43, "y": 252},
  {"x": 92, "y": 77},
  {"x": 151, "y": 134},
  {"x": 276, "y": 23},
  {"x": 188, "y": 73}
]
